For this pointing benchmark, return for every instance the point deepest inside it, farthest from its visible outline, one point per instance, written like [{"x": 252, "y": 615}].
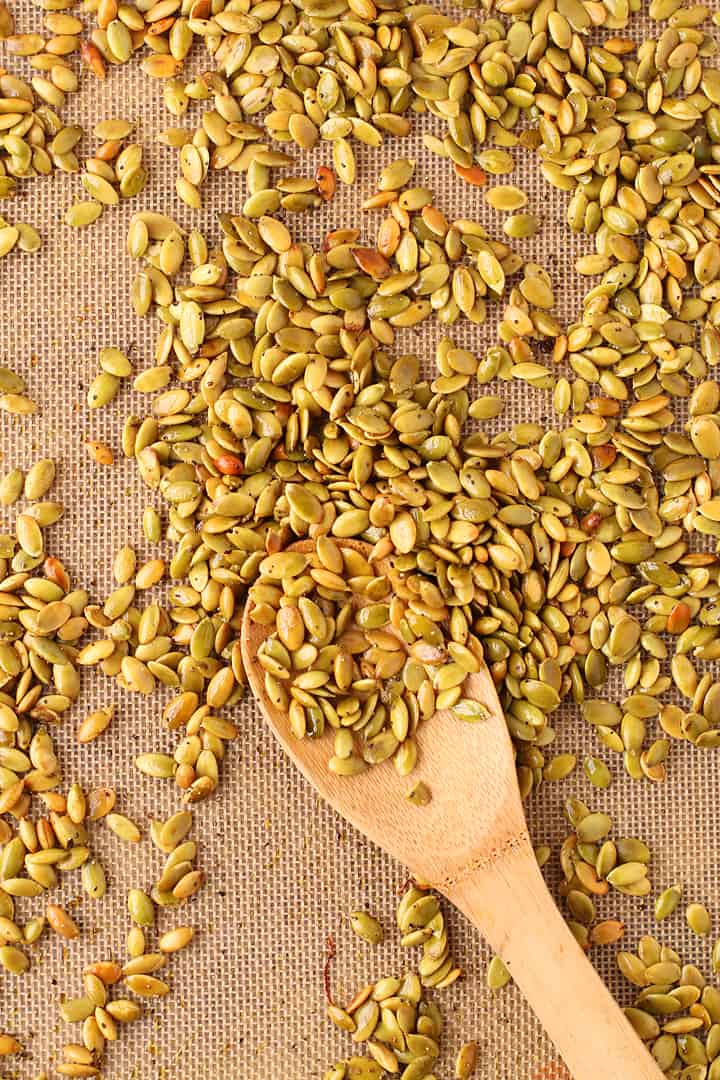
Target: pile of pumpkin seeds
[
  {"x": 45, "y": 831},
  {"x": 399, "y": 1026},
  {"x": 353, "y": 70},
  {"x": 421, "y": 922},
  {"x": 561, "y": 531},
  {"x": 341, "y": 70},
  {"x": 392, "y": 1016},
  {"x": 677, "y": 1012},
  {"x": 406, "y": 429},
  {"x": 114, "y": 172},
  {"x": 592, "y": 864},
  {"x": 154, "y": 646},
  {"x": 99, "y": 1009},
  {"x": 34, "y": 141},
  {"x": 280, "y": 411},
  {"x": 160, "y": 239}
]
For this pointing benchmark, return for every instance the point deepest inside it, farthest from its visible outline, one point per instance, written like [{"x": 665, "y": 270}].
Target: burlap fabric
[{"x": 283, "y": 870}]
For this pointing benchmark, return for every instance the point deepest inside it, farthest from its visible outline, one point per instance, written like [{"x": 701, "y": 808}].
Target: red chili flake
[
  {"x": 407, "y": 884},
  {"x": 329, "y": 957}
]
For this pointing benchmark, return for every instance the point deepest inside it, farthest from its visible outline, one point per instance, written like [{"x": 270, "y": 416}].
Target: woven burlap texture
[{"x": 283, "y": 870}]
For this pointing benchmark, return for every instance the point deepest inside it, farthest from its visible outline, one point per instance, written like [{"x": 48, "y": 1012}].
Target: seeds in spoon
[
  {"x": 336, "y": 636},
  {"x": 419, "y": 794}
]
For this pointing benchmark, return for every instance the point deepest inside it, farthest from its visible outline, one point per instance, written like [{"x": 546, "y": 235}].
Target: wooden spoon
[{"x": 472, "y": 844}]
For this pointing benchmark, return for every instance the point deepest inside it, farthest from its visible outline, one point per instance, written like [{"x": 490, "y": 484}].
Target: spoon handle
[{"x": 507, "y": 899}]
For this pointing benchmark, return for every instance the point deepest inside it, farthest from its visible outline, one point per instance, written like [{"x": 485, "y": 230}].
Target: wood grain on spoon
[{"x": 471, "y": 843}]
